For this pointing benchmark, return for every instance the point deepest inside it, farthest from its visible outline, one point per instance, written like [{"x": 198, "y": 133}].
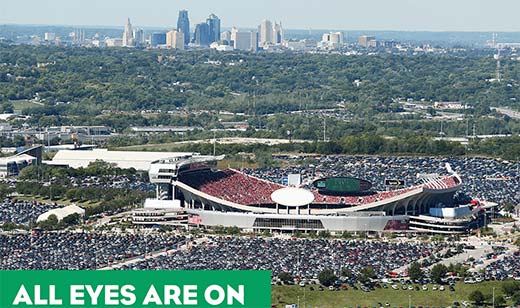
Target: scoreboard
[{"x": 341, "y": 185}]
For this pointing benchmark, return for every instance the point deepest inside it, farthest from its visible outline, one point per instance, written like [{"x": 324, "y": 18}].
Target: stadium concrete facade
[{"x": 189, "y": 186}]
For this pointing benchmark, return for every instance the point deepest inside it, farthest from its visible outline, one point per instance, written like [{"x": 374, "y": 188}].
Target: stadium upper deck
[{"x": 240, "y": 189}]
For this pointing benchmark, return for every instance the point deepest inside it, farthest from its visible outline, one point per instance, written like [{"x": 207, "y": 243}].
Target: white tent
[{"x": 62, "y": 212}]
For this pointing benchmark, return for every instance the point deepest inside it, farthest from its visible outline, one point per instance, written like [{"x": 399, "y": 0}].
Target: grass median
[{"x": 283, "y": 295}]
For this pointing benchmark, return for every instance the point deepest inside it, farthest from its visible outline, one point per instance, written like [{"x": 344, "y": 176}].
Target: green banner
[{"x": 135, "y": 288}]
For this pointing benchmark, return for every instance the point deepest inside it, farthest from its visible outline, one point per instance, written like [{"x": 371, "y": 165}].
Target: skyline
[{"x": 399, "y": 15}]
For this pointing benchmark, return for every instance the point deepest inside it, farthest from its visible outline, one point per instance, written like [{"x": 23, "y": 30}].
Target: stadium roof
[
  {"x": 291, "y": 196},
  {"x": 123, "y": 159}
]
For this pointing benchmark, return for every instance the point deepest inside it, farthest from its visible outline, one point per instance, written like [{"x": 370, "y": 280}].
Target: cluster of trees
[
  {"x": 227, "y": 230},
  {"x": 261, "y": 83},
  {"x": 99, "y": 168},
  {"x": 16, "y": 141},
  {"x": 438, "y": 272},
  {"x": 507, "y": 148},
  {"x": 311, "y": 126},
  {"x": 368, "y": 144},
  {"x": 104, "y": 199},
  {"x": 52, "y": 222},
  {"x": 512, "y": 289},
  {"x": 362, "y": 144}
]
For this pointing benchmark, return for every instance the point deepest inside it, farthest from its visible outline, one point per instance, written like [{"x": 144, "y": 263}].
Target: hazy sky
[{"x": 435, "y": 15}]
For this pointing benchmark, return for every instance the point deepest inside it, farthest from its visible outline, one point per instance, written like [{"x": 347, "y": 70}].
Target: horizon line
[{"x": 246, "y": 27}]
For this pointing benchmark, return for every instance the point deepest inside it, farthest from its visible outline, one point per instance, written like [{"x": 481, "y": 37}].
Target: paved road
[{"x": 482, "y": 248}]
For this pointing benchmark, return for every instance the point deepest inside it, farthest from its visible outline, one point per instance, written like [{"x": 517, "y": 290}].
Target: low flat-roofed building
[{"x": 123, "y": 159}]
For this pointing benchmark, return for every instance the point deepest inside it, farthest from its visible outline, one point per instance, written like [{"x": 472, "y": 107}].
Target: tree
[
  {"x": 8, "y": 226},
  {"x": 72, "y": 219},
  {"x": 50, "y": 224},
  {"x": 438, "y": 272},
  {"x": 345, "y": 272},
  {"x": 367, "y": 273},
  {"x": 234, "y": 230},
  {"x": 500, "y": 300},
  {"x": 516, "y": 298},
  {"x": 327, "y": 277},
  {"x": 510, "y": 287},
  {"x": 415, "y": 272},
  {"x": 477, "y": 297},
  {"x": 285, "y": 277},
  {"x": 438, "y": 238},
  {"x": 346, "y": 234},
  {"x": 324, "y": 234}
]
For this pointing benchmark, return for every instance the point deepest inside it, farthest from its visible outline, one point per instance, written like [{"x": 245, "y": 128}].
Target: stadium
[{"x": 190, "y": 191}]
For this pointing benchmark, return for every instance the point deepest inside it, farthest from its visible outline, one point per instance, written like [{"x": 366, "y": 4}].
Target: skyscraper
[
  {"x": 233, "y": 35},
  {"x": 245, "y": 40},
  {"x": 214, "y": 28},
  {"x": 128, "y": 35},
  {"x": 158, "y": 38},
  {"x": 225, "y": 37},
  {"x": 139, "y": 39},
  {"x": 175, "y": 39},
  {"x": 183, "y": 24},
  {"x": 365, "y": 40},
  {"x": 201, "y": 35},
  {"x": 277, "y": 33},
  {"x": 266, "y": 32},
  {"x": 331, "y": 40}
]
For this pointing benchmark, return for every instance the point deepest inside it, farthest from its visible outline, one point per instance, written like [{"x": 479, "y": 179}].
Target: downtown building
[
  {"x": 270, "y": 34},
  {"x": 132, "y": 37},
  {"x": 244, "y": 40},
  {"x": 175, "y": 39},
  {"x": 183, "y": 25},
  {"x": 331, "y": 40},
  {"x": 207, "y": 32}
]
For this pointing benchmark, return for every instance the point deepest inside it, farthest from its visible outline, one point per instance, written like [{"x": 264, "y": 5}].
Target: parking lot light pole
[{"x": 409, "y": 301}]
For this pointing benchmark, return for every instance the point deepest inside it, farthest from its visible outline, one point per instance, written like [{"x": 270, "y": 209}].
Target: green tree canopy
[{"x": 327, "y": 277}]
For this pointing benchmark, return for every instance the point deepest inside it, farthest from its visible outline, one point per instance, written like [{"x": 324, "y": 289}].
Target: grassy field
[
  {"x": 19, "y": 105},
  {"x": 282, "y": 295}
]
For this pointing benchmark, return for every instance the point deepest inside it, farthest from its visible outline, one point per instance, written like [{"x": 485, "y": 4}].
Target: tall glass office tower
[
  {"x": 183, "y": 24},
  {"x": 214, "y": 28}
]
